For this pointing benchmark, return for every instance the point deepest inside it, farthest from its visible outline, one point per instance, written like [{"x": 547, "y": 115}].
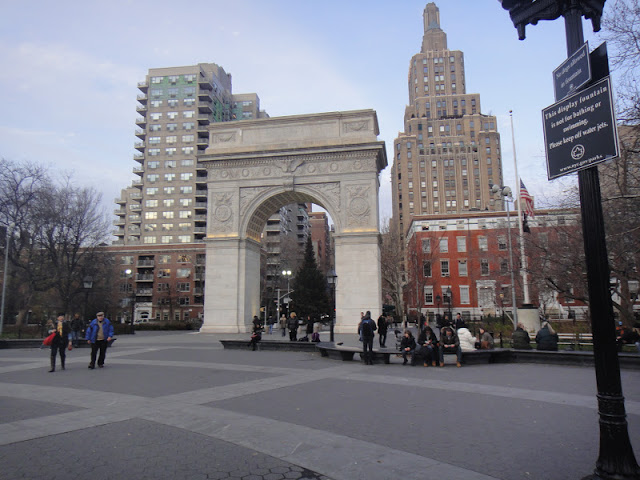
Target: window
[
  {"x": 169, "y": 177},
  {"x": 152, "y": 190},
  {"x": 183, "y": 272},
  {"x": 502, "y": 242},
  {"x": 462, "y": 268},
  {"x": 172, "y": 127},
  {"x": 163, "y": 287},
  {"x": 444, "y": 245},
  {"x": 484, "y": 267},
  {"x": 164, "y": 273},
  {"x": 462, "y": 244},
  {"x": 170, "y": 151},
  {"x": 171, "y": 139},
  {"x": 188, "y": 125},
  {"x": 168, "y": 202},
  {"x": 184, "y": 287},
  {"x": 504, "y": 267},
  {"x": 154, "y": 140},
  {"x": 186, "y": 176},
  {"x": 188, "y": 114},
  {"x": 426, "y": 268},
  {"x": 426, "y": 245},
  {"x": 150, "y": 227},
  {"x": 185, "y": 214},
  {"x": 172, "y": 115},
  {"x": 167, "y": 215},
  {"x": 187, "y": 163},
  {"x": 172, "y": 102},
  {"x": 187, "y": 150},
  {"x": 151, "y": 203},
  {"x": 184, "y": 238},
  {"x": 464, "y": 294},
  {"x": 482, "y": 244},
  {"x": 164, "y": 259},
  {"x": 126, "y": 260},
  {"x": 188, "y": 138},
  {"x": 444, "y": 268},
  {"x": 169, "y": 190},
  {"x": 185, "y": 202},
  {"x": 166, "y": 239},
  {"x": 153, "y": 152},
  {"x": 150, "y": 215},
  {"x": 170, "y": 163},
  {"x": 167, "y": 226},
  {"x": 186, "y": 189},
  {"x": 148, "y": 239},
  {"x": 428, "y": 295},
  {"x": 156, "y": 79}
]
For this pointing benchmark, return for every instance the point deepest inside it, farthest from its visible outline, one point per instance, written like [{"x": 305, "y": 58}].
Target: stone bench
[
  {"x": 344, "y": 353},
  {"x": 273, "y": 345}
]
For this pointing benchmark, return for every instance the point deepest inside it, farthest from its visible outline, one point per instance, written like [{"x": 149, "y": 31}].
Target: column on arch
[
  {"x": 359, "y": 287},
  {"x": 232, "y": 285}
]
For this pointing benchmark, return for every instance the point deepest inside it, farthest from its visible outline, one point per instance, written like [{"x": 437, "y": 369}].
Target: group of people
[
  {"x": 455, "y": 338},
  {"x": 292, "y": 323},
  {"x": 98, "y": 334}
]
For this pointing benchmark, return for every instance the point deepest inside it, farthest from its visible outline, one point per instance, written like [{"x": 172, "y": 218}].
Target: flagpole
[{"x": 523, "y": 257}]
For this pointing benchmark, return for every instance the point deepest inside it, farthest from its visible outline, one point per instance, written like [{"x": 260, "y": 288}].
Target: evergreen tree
[{"x": 309, "y": 295}]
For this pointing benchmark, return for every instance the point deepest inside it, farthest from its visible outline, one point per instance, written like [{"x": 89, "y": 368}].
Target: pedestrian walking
[
  {"x": 367, "y": 332},
  {"x": 283, "y": 324},
  {"x": 256, "y": 334},
  {"x": 382, "y": 330},
  {"x": 99, "y": 334},
  {"x": 292, "y": 325},
  {"x": 77, "y": 325},
  {"x": 60, "y": 342},
  {"x": 270, "y": 322}
]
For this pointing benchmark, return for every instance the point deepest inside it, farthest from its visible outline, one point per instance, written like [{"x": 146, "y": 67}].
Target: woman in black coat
[{"x": 547, "y": 338}]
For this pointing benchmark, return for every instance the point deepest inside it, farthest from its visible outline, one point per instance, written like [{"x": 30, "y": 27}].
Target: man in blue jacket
[{"x": 99, "y": 334}]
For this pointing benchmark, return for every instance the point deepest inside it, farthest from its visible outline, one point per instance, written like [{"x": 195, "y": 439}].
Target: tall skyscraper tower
[{"x": 448, "y": 156}]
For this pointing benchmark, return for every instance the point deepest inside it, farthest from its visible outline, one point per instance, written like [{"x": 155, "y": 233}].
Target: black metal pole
[
  {"x": 616, "y": 459},
  {"x": 333, "y": 316}
]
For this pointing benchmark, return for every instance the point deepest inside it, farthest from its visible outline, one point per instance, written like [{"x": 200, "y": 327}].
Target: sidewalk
[{"x": 174, "y": 405}]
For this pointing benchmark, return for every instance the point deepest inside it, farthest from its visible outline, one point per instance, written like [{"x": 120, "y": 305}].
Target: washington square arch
[{"x": 257, "y": 166}]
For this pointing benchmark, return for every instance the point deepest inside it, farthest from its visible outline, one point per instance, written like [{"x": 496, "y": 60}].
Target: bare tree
[{"x": 392, "y": 266}]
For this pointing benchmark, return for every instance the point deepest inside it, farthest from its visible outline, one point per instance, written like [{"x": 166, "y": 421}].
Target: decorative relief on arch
[
  {"x": 221, "y": 217},
  {"x": 331, "y": 192},
  {"x": 359, "y": 126},
  {"x": 247, "y": 195},
  {"x": 358, "y": 207},
  {"x": 224, "y": 137}
]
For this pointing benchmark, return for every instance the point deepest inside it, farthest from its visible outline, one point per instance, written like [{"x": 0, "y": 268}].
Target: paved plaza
[{"x": 178, "y": 406}]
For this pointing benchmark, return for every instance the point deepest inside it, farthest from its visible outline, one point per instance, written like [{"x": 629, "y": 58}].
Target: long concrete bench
[
  {"x": 346, "y": 354},
  {"x": 274, "y": 345}
]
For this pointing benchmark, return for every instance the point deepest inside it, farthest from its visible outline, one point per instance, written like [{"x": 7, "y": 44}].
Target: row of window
[
  {"x": 462, "y": 268},
  {"x": 187, "y": 91},
  {"x": 172, "y": 127},
  {"x": 156, "y": 116},
  {"x": 168, "y": 202},
  {"x": 153, "y": 164},
  {"x": 148, "y": 239},
  {"x": 153, "y": 152},
  {"x": 171, "y": 139},
  {"x": 167, "y": 215},
  {"x": 152, "y": 227},
  {"x": 185, "y": 189},
  {"x": 169, "y": 177},
  {"x": 172, "y": 102},
  {"x": 173, "y": 79},
  {"x": 461, "y": 244},
  {"x": 182, "y": 258},
  {"x": 463, "y": 295}
]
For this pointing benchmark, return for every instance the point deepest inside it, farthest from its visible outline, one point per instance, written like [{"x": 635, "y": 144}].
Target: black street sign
[
  {"x": 573, "y": 73},
  {"x": 580, "y": 131}
]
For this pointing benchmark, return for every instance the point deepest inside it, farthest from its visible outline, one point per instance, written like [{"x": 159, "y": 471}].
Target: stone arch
[{"x": 255, "y": 167}]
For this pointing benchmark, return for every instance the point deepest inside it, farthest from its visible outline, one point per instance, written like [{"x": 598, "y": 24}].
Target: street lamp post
[
  {"x": 4, "y": 281},
  {"x": 438, "y": 303},
  {"x": 616, "y": 459},
  {"x": 87, "y": 283},
  {"x": 129, "y": 273},
  {"x": 506, "y": 193},
  {"x": 287, "y": 273},
  {"x": 450, "y": 301},
  {"x": 332, "y": 280}
]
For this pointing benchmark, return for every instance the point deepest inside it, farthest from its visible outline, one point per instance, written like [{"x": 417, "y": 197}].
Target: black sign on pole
[
  {"x": 573, "y": 73},
  {"x": 580, "y": 131}
]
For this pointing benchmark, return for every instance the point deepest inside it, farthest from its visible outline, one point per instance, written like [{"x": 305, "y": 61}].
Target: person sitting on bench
[
  {"x": 449, "y": 343},
  {"x": 427, "y": 347},
  {"x": 407, "y": 346}
]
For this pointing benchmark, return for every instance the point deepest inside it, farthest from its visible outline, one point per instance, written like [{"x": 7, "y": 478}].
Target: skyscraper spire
[{"x": 434, "y": 37}]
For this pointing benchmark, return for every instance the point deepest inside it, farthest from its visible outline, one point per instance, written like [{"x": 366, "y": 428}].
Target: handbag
[
  {"x": 49, "y": 340},
  {"x": 70, "y": 347}
]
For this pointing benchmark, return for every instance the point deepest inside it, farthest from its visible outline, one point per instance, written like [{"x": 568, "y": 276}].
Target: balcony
[
  {"x": 135, "y": 208},
  {"x": 135, "y": 218},
  {"x": 201, "y": 205},
  {"x": 143, "y": 86},
  {"x": 201, "y": 192},
  {"x": 142, "y": 99},
  {"x": 144, "y": 292},
  {"x": 202, "y": 142},
  {"x": 205, "y": 95},
  {"x": 118, "y": 242},
  {"x": 136, "y": 183},
  {"x": 205, "y": 83},
  {"x": 141, "y": 133},
  {"x": 120, "y": 201},
  {"x": 146, "y": 263},
  {"x": 144, "y": 277},
  {"x": 200, "y": 230},
  {"x": 140, "y": 146},
  {"x": 141, "y": 122},
  {"x": 119, "y": 222},
  {"x": 118, "y": 233},
  {"x": 205, "y": 108},
  {"x": 204, "y": 119},
  {"x": 138, "y": 170},
  {"x": 136, "y": 196},
  {"x": 138, "y": 157},
  {"x": 120, "y": 212},
  {"x": 200, "y": 218},
  {"x": 141, "y": 109}
]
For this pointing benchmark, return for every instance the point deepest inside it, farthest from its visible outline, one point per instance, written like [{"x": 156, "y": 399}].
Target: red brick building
[{"x": 460, "y": 262}]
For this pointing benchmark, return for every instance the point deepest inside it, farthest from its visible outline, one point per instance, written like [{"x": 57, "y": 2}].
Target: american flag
[{"x": 527, "y": 200}]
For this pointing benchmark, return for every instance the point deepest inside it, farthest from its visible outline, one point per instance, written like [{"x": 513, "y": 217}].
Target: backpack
[{"x": 367, "y": 328}]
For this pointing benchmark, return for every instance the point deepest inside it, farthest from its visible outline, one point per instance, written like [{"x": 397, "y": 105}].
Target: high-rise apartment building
[
  {"x": 161, "y": 219},
  {"x": 168, "y": 203},
  {"x": 448, "y": 156}
]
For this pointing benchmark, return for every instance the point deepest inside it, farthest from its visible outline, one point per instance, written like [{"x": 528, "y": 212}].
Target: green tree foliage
[{"x": 310, "y": 287}]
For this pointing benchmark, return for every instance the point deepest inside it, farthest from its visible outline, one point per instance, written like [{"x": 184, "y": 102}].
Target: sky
[{"x": 70, "y": 68}]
